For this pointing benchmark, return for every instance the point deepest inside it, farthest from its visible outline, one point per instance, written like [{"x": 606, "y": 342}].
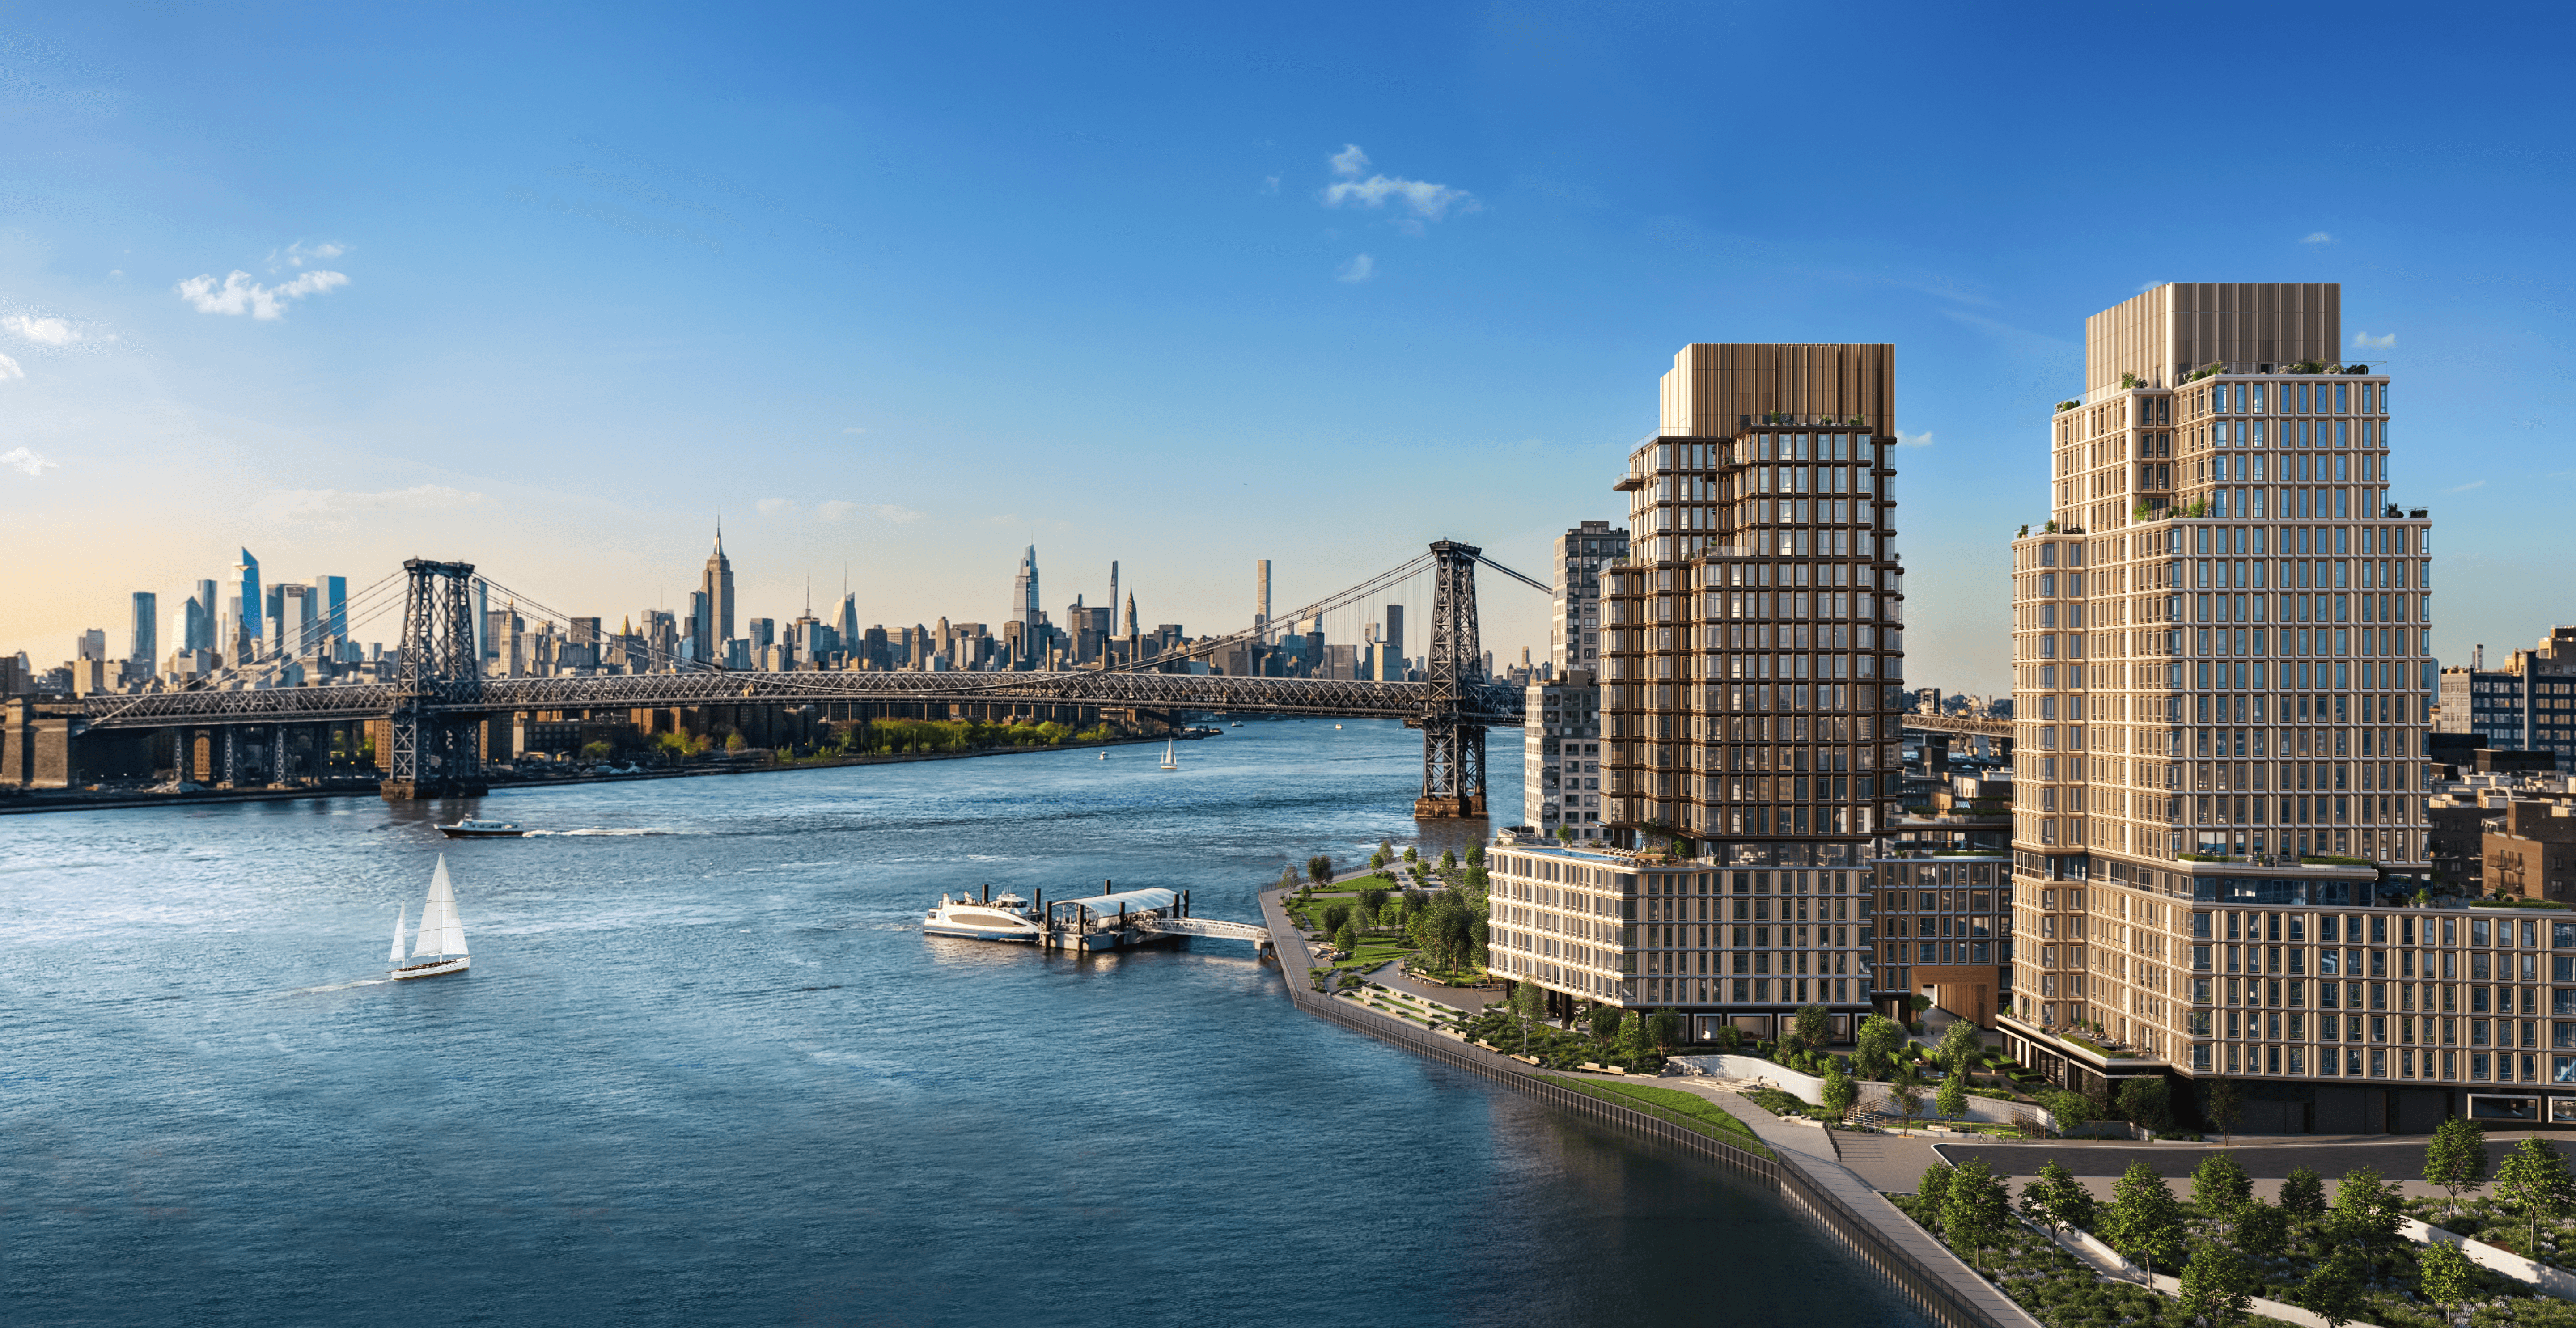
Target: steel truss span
[{"x": 1490, "y": 704}]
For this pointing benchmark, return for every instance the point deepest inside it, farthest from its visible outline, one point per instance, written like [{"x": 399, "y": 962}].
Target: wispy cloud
[
  {"x": 44, "y": 331},
  {"x": 335, "y": 507},
  {"x": 774, "y": 506},
  {"x": 9, "y": 369},
  {"x": 239, "y": 294},
  {"x": 2464, "y": 488},
  {"x": 299, "y": 254},
  {"x": 1423, "y": 198},
  {"x": 1269, "y": 184},
  {"x": 854, "y": 431},
  {"x": 839, "y": 508},
  {"x": 2381, "y": 342},
  {"x": 1904, "y": 439},
  {"x": 1358, "y": 269},
  {"x": 25, "y": 462},
  {"x": 2316, "y": 237}
]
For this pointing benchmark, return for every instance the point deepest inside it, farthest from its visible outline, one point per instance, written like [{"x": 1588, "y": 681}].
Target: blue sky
[{"x": 901, "y": 288}]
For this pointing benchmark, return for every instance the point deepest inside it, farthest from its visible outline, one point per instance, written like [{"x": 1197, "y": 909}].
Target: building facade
[
  {"x": 1561, "y": 758},
  {"x": 2222, "y": 691},
  {"x": 1751, "y": 649},
  {"x": 2528, "y": 705},
  {"x": 1574, "y": 632}
]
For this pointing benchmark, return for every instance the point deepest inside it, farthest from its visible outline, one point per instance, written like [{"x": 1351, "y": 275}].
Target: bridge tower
[
  {"x": 435, "y": 751},
  {"x": 1453, "y": 750}
]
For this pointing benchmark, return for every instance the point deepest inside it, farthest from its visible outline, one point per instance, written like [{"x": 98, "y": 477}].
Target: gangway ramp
[{"x": 1232, "y": 931}]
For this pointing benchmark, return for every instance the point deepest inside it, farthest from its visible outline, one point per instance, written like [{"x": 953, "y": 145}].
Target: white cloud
[
  {"x": 9, "y": 369},
  {"x": 2381, "y": 342},
  {"x": 1269, "y": 184},
  {"x": 1904, "y": 439},
  {"x": 837, "y": 509},
  {"x": 240, "y": 295},
  {"x": 774, "y": 506},
  {"x": 2473, "y": 484},
  {"x": 25, "y": 462},
  {"x": 2317, "y": 237},
  {"x": 1424, "y": 198},
  {"x": 333, "y": 507},
  {"x": 1357, "y": 270},
  {"x": 44, "y": 331},
  {"x": 854, "y": 431},
  {"x": 298, "y": 254}
]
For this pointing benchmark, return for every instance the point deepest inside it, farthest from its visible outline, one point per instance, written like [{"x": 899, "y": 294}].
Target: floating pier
[{"x": 1116, "y": 919}]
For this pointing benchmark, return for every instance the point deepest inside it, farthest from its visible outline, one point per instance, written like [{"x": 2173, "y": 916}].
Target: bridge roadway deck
[{"x": 1490, "y": 704}]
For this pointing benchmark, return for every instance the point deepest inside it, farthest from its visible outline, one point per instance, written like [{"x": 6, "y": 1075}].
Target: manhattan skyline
[{"x": 906, "y": 293}]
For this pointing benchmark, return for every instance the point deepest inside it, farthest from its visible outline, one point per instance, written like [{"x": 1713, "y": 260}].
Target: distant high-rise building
[
  {"x": 1024, "y": 601},
  {"x": 716, "y": 583},
  {"x": 145, "y": 641},
  {"x": 1261, "y": 596},
  {"x": 1574, "y": 636},
  {"x": 847, "y": 623},
  {"x": 330, "y": 608},
  {"x": 247, "y": 607},
  {"x": 1131, "y": 615},
  {"x": 699, "y": 645},
  {"x": 1561, "y": 756},
  {"x": 91, "y": 644}
]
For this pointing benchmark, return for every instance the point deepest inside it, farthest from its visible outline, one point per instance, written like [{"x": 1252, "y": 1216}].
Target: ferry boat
[
  {"x": 469, "y": 828},
  {"x": 1007, "y": 918}
]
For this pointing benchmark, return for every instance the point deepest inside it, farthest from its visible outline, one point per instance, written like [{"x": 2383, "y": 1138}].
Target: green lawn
[{"x": 1685, "y": 1109}]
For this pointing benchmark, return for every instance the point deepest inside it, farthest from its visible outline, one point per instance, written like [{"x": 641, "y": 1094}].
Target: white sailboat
[
  {"x": 438, "y": 948},
  {"x": 1170, "y": 761}
]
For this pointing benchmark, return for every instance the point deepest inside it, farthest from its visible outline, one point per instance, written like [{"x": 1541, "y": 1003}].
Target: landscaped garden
[
  {"x": 1689, "y": 1110},
  {"x": 1429, "y": 917},
  {"x": 2345, "y": 1259}
]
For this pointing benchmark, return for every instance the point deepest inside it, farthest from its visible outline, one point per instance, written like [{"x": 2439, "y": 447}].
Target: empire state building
[{"x": 717, "y": 585}]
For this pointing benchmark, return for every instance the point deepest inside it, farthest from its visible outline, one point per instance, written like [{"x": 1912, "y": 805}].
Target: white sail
[
  {"x": 396, "y": 956},
  {"x": 437, "y": 916}
]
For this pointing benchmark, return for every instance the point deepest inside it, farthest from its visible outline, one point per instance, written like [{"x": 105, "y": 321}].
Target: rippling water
[{"x": 707, "y": 1070}]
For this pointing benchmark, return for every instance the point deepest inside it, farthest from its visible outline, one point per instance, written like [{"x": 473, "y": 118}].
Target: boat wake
[
  {"x": 596, "y": 832},
  {"x": 340, "y": 986}
]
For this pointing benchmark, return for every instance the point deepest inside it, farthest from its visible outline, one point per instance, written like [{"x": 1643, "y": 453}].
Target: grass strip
[{"x": 1689, "y": 1110}]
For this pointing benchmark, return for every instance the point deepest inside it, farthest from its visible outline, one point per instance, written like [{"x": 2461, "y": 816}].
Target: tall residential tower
[{"x": 2222, "y": 672}]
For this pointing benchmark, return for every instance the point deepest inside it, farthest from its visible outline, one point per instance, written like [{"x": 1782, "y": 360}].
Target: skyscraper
[
  {"x": 330, "y": 611},
  {"x": 1024, "y": 602},
  {"x": 248, "y": 605},
  {"x": 144, "y": 644},
  {"x": 1261, "y": 597},
  {"x": 198, "y": 631},
  {"x": 716, "y": 583},
  {"x": 1751, "y": 664},
  {"x": 1561, "y": 753},
  {"x": 2222, "y": 668}
]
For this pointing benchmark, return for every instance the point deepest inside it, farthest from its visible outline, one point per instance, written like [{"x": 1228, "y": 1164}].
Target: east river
[{"x": 707, "y": 1070}]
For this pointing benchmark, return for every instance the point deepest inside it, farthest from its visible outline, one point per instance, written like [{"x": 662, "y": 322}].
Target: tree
[
  {"x": 1412, "y": 854},
  {"x": 1839, "y": 1092},
  {"x": 1476, "y": 854},
  {"x": 1334, "y": 915},
  {"x": 1907, "y": 1089},
  {"x": 2148, "y": 1101},
  {"x": 2444, "y": 1274},
  {"x": 1347, "y": 938},
  {"x": 2069, "y": 1109},
  {"x": 1730, "y": 1038},
  {"x": 1975, "y": 1209},
  {"x": 2366, "y": 1217},
  {"x": 1605, "y": 1023},
  {"x": 1952, "y": 1100},
  {"x": 1875, "y": 1047},
  {"x": 2534, "y": 1179},
  {"x": 1959, "y": 1047},
  {"x": 1448, "y": 859},
  {"x": 2333, "y": 1287},
  {"x": 1632, "y": 1036},
  {"x": 1664, "y": 1030},
  {"x": 1931, "y": 1194},
  {"x": 2057, "y": 1199},
  {"x": 2456, "y": 1157},
  {"x": 1814, "y": 1025},
  {"x": 2303, "y": 1194},
  {"x": 1377, "y": 860},
  {"x": 2218, "y": 1185},
  {"x": 2261, "y": 1229},
  {"x": 1373, "y": 901},
  {"x": 2226, "y": 1107},
  {"x": 2216, "y": 1285},
  {"x": 1319, "y": 869},
  {"x": 1530, "y": 1003},
  {"x": 2143, "y": 1222}
]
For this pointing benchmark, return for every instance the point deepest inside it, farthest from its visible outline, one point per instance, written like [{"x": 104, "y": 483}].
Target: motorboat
[
  {"x": 439, "y": 947},
  {"x": 469, "y": 828},
  {"x": 1004, "y": 918}
]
